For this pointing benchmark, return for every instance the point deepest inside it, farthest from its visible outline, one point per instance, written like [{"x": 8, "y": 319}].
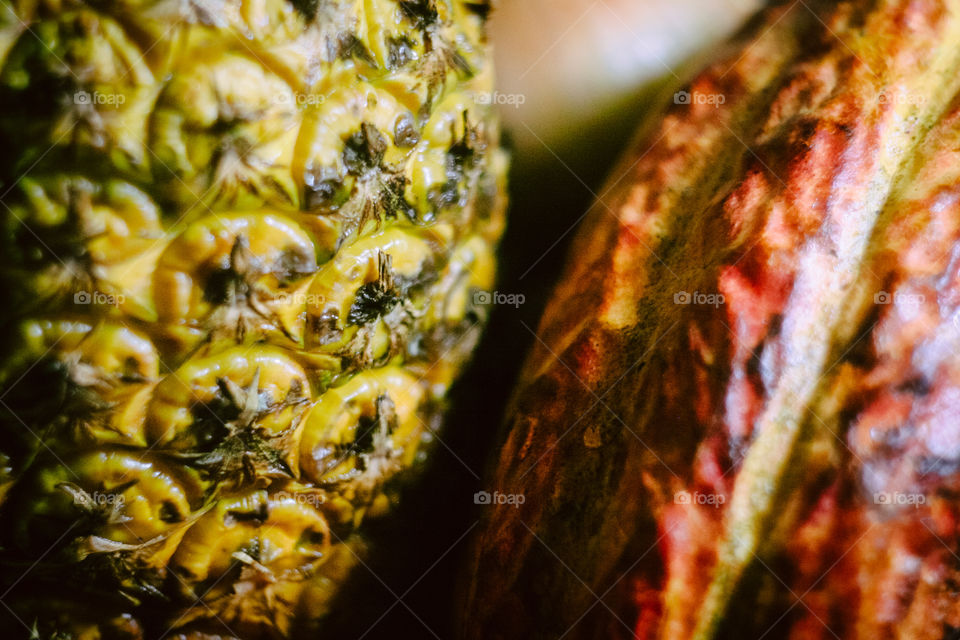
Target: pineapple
[{"x": 242, "y": 241}]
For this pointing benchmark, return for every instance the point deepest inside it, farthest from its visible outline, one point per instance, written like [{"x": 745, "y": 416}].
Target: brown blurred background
[{"x": 575, "y": 79}]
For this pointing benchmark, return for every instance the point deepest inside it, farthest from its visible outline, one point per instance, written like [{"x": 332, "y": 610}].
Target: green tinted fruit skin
[{"x": 242, "y": 244}]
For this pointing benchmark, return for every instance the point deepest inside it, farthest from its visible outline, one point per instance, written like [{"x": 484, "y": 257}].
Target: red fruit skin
[{"x": 741, "y": 416}]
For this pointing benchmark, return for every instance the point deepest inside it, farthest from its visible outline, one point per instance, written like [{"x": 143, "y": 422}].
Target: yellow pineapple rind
[{"x": 242, "y": 241}]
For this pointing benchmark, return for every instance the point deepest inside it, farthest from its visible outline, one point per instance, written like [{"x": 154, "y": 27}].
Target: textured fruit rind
[
  {"x": 740, "y": 417},
  {"x": 241, "y": 241}
]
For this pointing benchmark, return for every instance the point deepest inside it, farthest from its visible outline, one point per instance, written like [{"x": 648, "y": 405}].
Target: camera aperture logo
[
  {"x": 697, "y": 298},
  {"x": 99, "y": 298},
  {"x": 707, "y": 499},
  {"x": 497, "y": 498},
  {"x": 481, "y": 298}
]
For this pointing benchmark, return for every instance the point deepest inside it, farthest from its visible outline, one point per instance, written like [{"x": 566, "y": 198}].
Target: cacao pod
[{"x": 741, "y": 415}]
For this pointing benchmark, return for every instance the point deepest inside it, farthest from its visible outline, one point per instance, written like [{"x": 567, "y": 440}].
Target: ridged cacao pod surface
[{"x": 741, "y": 415}]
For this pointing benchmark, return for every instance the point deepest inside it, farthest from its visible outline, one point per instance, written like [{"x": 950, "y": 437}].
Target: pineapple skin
[{"x": 242, "y": 250}]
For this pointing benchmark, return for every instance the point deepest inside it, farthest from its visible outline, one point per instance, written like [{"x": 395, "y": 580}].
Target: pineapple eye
[
  {"x": 230, "y": 140},
  {"x": 422, "y": 13},
  {"x": 228, "y": 274},
  {"x": 292, "y": 265},
  {"x": 170, "y": 513},
  {"x": 323, "y": 188},
  {"x": 364, "y": 282},
  {"x": 373, "y": 300},
  {"x": 208, "y": 428},
  {"x": 367, "y": 429},
  {"x": 466, "y": 277},
  {"x": 405, "y": 132},
  {"x": 228, "y": 393},
  {"x": 364, "y": 149},
  {"x": 216, "y": 289},
  {"x": 357, "y": 434},
  {"x": 256, "y": 516},
  {"x": 306, "y": 8},
  {"x": 91, "y": 233},
  {"x": 400, "y": 51},
  {"x": 323, "y": 193},
  {"x": 131, "y": 369},
  {"x": 270, "y": 530},
  {"x": 87, "y": 381},
  {"x": 116, "y": 492},
  {"x": 315, "y": 539}
]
